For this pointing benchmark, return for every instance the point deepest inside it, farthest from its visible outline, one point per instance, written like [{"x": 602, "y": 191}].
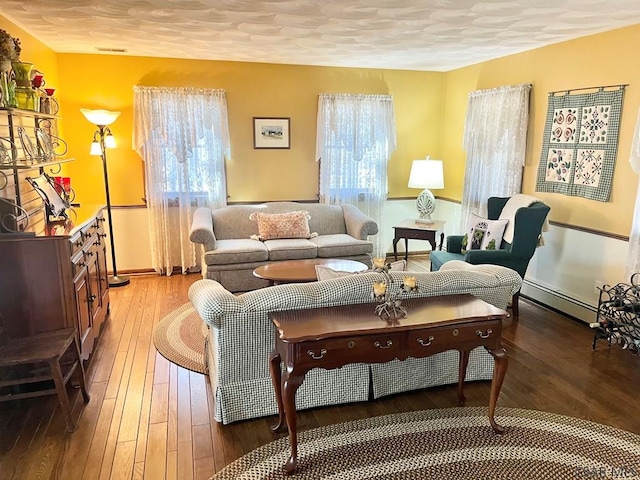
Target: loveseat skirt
[
  {"x": 417, "y": 373},
  {"x": 320, "y": 388}
]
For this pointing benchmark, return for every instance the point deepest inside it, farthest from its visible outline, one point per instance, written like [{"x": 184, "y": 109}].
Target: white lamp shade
[
  {"x": 426, "y": 174},
  {"x": 96, "y": 149},
  {"x": 109, "y": 141},
  {"x": 100, "y": 117}
]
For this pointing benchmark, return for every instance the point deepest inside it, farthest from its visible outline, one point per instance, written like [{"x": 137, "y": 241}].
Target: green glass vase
[
  {"x": 22, "y": 72},
  {"x": 26, "y": 97}
]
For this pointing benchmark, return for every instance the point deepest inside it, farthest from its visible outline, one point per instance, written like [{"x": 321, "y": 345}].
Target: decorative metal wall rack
[{"x": 618, "y": 316}]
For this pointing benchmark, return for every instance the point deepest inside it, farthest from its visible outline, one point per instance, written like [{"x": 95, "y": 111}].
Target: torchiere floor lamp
[{"x": 103, "y": 139}]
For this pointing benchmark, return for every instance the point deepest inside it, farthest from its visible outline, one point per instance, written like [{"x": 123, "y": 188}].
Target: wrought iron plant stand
[
  {"x": 618, "y": 316},
  {"x": 389, "y": 306}
]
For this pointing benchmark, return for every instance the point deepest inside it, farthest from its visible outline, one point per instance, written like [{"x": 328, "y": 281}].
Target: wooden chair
[{"x": 29, "y": 364}]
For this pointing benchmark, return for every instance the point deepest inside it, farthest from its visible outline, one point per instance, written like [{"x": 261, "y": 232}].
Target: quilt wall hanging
[{"x": 580, "y": 143}]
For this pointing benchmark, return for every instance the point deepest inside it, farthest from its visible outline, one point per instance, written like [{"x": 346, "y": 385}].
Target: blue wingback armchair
[{"x": 527, "y": 229}]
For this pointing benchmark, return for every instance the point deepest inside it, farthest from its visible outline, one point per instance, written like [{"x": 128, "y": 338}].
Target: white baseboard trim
[{"x": 559, "y": 301}]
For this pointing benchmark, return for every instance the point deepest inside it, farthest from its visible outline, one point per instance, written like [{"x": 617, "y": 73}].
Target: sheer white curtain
[
  {"x": 495, "y": 137},
  {"x": 633, "y": 257},
  {"x": 182, "y": 134},
  {"x": 355, "y": 137}
]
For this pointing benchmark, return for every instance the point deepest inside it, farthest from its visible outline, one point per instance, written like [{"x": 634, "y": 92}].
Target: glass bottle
[{"x": 4, "y": 89}]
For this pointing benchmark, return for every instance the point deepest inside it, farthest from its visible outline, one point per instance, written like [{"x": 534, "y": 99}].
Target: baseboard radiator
[{"x": 562, "y": 302}]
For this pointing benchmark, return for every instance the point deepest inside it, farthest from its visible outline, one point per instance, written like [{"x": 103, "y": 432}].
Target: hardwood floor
[{"x": 149, "y": 419}]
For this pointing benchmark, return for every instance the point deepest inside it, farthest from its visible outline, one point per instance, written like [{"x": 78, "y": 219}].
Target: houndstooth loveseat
[
  {"x": 241, "y": 337},
  {"x": 231, "y": 253}
]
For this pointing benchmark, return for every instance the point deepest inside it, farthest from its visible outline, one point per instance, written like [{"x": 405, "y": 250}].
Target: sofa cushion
[
  {"x": 282, "y": 225},
  {"x": 290, "y": 249},
  {"x": 241, "y": 250},
  {"x": 440, "y": 257},
  {"x": 341, "y": 245}
]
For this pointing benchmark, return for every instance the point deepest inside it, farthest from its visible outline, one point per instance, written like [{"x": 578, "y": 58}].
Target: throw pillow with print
[{"x": 483, "y": 234}]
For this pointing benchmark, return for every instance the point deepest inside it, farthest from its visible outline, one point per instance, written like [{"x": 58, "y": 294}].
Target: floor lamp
[{"x": 103, "y": 139}]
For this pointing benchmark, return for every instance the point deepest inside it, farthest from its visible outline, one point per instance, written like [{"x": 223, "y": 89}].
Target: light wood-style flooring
[{"x": 149, "y": 419}]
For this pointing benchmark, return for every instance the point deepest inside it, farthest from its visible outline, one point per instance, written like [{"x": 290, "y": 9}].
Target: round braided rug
[
  {"x": 180, "y": 337},
  {"x": 450, "y": 444}
]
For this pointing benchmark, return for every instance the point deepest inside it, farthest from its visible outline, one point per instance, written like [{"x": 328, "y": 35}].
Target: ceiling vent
[{"x": 112, "y": 50}]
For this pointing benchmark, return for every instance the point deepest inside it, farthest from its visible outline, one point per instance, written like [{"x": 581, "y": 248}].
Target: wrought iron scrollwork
[
  {"x": 9, "y": 220},
  {"x": 618, "y": 317},
  {"x": 7, "y": 148}
]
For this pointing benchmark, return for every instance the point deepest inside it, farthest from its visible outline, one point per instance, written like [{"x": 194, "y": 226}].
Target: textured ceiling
[{"x": 436, "y": 35}]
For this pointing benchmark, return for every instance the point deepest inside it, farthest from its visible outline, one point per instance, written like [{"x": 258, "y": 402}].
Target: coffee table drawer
[
  {"x": 440, "y": 339},
  {"x": 332, "y": 353}
]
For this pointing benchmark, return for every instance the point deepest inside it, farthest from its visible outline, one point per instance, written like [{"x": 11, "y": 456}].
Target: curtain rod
[{"x": 600, "y": 88}]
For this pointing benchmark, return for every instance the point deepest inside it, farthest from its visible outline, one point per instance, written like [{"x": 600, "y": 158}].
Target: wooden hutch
[{"x": 53, "y": 268}]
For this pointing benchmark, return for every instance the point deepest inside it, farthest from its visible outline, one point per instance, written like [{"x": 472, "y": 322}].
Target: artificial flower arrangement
[
  {"x": 390, "y": 306},
  {"x": 9, "y": 50}
]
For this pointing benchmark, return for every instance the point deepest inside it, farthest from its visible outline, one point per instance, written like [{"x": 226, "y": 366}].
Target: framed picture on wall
[{"x": 271, "y": 132}]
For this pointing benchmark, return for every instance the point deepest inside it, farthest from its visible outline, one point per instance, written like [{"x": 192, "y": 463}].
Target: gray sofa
[
  {"x": 241, "y": 337},
  {"x": 231, "y": 255}
]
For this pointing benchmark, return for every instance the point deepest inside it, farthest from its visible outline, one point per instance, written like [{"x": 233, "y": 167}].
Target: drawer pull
[
  {"x": 455, "y": 332},
  {"x": 312, "y": 354},
  {"x": 386, "y": 345},
  {"x": 484, "y": 335},
  {"x": 78, "y": 243},
  {"x": 427, "y": 343},
  {"x": 351, "y": 344}
]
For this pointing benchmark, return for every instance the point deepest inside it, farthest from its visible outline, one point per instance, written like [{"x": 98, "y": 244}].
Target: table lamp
[{"x": 426, "y": 174}]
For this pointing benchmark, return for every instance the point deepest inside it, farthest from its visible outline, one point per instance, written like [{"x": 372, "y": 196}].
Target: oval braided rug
[
  {"x": 180, "y": 338},
  {"x": 450, "y": 444}
]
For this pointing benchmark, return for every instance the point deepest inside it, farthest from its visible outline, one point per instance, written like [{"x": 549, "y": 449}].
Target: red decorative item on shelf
[
  {"x": 63, "y": 184},
  {"x": 37, "y": 81}
]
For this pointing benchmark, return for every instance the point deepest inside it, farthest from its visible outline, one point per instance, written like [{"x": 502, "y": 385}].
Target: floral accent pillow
[
  {"x": 272, "y": 226},
  {"x": 483, "y": 234}
]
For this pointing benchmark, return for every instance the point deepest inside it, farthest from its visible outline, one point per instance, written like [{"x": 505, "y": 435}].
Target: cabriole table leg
[
  {"x": 499, "y": 371},
  {"x": 289, "y": 389},
  {"x": 274, "y": 367},
  {"x": 462, "y": 373}
]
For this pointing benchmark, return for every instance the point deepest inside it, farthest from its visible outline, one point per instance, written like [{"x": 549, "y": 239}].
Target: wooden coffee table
[
  {"x": 299, "y": 271},
  {"x": 332, "y": 337}
]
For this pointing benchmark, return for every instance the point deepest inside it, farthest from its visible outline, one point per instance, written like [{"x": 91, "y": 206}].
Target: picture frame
[{"x": 271, "y": 132}]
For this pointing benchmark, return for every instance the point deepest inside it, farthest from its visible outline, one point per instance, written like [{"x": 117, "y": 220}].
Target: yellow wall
[
  {"x": 34, "y": 51},
  {"x": 252, "y": 89},
  {"x": 430, "y": 112},
  {"x": 603, "y": 59}
]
